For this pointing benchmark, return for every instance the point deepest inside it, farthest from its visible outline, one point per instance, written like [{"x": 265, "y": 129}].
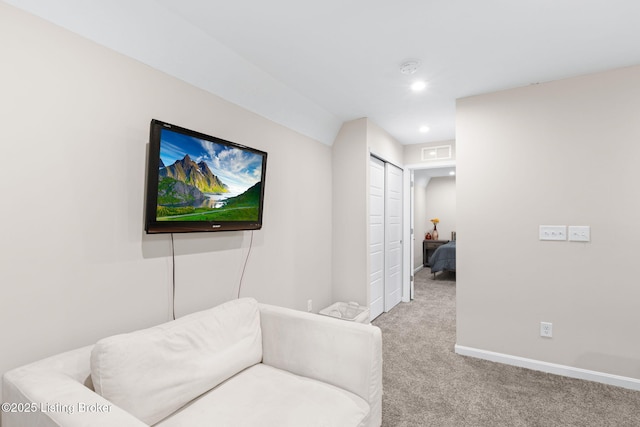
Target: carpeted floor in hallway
[{"x": 427, "y": 384}]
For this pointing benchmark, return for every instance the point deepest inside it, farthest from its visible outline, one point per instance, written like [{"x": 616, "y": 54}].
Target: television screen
[{"x": 197, "y": 182}]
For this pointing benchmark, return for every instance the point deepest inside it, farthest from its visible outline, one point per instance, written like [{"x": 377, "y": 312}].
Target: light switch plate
[
  {"x": 553, "y": 232},
  {"x": 579, "y": 233}
]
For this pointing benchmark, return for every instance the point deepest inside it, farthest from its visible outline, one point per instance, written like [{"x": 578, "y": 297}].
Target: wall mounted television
[{"x": 198, "y": 182}]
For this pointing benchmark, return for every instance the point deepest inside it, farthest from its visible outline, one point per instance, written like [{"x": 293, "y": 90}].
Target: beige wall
[
  {"x": 383, "y": 145},
  {"x": 441, "y": 204},
  {"x": 350, "y": 206},
  {"x": 563, "y": 153},
  {"x": 75, "y": 263}
]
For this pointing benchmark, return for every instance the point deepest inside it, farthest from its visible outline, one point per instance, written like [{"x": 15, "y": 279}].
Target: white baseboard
[
  {"x": 418, "y": 269},
  {"x": 551, "y": 368}
]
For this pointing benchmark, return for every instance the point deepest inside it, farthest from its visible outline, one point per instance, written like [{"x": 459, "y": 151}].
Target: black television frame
[{"x": 152, "y": 225}]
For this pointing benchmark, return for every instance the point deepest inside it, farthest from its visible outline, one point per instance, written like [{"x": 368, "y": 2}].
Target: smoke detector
[{"x": 410, "y": 66}]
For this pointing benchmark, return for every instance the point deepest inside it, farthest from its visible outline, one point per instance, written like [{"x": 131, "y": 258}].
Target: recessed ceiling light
[
  {"x": 418, "y": 85},
  {"x": 452, "y": 173},
  {"x": 424, "y": 129}
]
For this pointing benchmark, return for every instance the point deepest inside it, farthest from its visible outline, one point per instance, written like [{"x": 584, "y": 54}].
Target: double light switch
[{"x": 577, "y": 233}]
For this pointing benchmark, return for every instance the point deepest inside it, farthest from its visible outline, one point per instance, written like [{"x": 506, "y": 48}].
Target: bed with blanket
[{"x": 444, "y": 258}]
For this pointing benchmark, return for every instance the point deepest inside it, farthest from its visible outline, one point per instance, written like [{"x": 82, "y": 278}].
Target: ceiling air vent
[{"x": 441, "y": 152}]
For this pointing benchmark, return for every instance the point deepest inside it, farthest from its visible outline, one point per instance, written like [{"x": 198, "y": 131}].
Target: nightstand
[{"x": 428, "y": 247}]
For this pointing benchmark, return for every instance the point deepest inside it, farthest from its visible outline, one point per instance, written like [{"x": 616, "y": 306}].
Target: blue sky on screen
[{"x": 237, "y": 168}]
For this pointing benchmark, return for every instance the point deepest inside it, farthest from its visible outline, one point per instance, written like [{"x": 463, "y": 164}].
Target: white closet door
[
  {"x": 393, "y": 237},
  {"x": 376, "y": 237}
]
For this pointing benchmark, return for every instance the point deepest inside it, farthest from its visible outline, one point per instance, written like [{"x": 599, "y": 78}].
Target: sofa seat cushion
[
  {"x": 264, "y": 396},
  {"x": 153, "y": 372}
]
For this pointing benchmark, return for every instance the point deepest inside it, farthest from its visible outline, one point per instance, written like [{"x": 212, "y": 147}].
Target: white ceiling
[{"x": 312, "y": 65}]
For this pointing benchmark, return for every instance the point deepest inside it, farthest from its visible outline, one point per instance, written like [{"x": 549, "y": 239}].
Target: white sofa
[{"x": 238, "y": 364}]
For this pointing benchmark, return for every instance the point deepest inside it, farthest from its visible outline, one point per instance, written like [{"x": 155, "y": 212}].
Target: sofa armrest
[
  {"x": 342, "y": 353},
  {"x": 52, "y": 392}
]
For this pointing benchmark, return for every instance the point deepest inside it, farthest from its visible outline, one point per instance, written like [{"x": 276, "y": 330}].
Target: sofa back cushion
[{"x": 153, "y": 372}]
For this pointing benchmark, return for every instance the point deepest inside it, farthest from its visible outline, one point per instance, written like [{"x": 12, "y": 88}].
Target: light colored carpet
[{"x": 427, "y": 384}]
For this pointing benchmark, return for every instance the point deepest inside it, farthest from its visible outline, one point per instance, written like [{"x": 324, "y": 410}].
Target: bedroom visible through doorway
[{"x": 418, "y": 215}]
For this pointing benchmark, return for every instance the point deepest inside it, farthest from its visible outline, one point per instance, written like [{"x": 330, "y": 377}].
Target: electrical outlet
[
  {"x": 546, "y": 329},
  {"x": 553, "y": 232},
  {"x": 309, "y": 305}
]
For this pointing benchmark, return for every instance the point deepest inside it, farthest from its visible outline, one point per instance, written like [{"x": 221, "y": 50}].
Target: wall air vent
[{"x": 441, "y": 152}]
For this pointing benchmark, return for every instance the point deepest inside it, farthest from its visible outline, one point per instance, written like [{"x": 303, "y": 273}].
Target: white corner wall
[
  {"x": 559, "y": 153},
  {"x": 75, "y": 263}
]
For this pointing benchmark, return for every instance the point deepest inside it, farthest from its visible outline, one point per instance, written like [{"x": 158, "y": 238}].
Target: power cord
[
  {"x": 244, "y": 267},
  {"x": 173, "y": 266},
  {"x": 173, "y": 273}
]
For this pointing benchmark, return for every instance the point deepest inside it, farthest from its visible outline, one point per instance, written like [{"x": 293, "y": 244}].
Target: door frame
[{"x": 408, "y": 222}]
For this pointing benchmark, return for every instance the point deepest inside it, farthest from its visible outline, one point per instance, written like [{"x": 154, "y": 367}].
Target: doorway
[{"x": 411, "y": 238}]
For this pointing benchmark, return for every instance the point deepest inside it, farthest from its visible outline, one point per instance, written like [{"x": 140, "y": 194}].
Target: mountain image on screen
[
  {"x": 194, "y": 174},
  {"x": 190, "y": 191}
]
